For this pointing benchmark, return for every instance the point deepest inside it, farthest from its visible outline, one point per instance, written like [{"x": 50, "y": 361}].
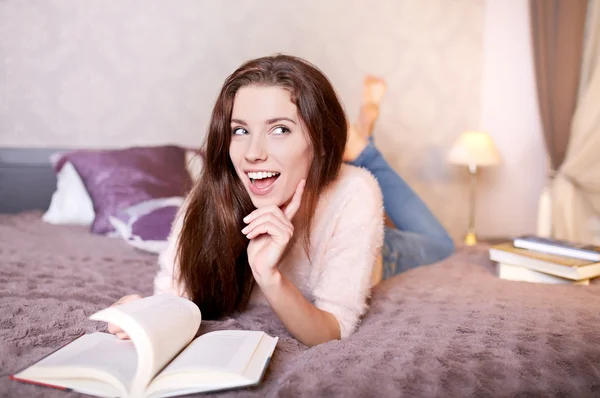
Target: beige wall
[
  {"x": 98, "y": 74},
  {"x": 508, "y": 195}
]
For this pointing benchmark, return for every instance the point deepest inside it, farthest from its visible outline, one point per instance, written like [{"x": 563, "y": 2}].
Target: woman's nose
[{"x": 257, "y": 150}]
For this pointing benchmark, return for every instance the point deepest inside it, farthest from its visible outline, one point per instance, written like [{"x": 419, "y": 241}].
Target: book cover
[{"x": 559, "y": 247}]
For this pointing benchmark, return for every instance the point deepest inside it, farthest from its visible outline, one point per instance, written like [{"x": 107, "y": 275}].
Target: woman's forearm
[{"x": 304, "y": 321}]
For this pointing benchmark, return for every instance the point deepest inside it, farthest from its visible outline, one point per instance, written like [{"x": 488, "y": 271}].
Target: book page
[
  {"x": 159, "y": 326},
  {"x": 516, "y": 273},
  {"x": 228, "y": 351},
  {"x": 213, "y": 361},
  {"x": 96, "y": 355},
  {"x": 261, "y": 358}
]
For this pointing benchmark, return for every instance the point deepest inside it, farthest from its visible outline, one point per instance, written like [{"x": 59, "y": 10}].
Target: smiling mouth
[{"x": 262, "y": 179}]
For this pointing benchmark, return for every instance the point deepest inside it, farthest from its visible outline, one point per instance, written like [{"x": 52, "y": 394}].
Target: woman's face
[{"x": 270, "y": 148}]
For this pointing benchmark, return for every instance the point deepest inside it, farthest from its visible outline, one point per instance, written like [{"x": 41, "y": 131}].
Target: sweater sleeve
[
  {"x": 167, "y": 277},
  {"x": 344, "y": 284}
]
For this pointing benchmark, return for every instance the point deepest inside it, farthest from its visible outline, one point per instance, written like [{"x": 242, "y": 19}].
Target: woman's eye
[
  {"x": 279, "y": 130},
  {"x": 239, "y": 131}
]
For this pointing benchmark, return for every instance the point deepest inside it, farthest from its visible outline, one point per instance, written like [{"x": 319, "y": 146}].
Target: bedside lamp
[{"x": 474, "y": 149}]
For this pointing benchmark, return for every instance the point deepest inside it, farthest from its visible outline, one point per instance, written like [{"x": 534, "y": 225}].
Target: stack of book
[{"x": 545, "y": 260}]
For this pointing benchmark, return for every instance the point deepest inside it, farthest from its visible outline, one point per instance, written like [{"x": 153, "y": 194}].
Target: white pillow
[
  {"x": 70, "y": 204},
  {"x": 193, "y": 164}
]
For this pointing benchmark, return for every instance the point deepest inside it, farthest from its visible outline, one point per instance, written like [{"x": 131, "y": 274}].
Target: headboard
[{"x": 27, "y": 180}]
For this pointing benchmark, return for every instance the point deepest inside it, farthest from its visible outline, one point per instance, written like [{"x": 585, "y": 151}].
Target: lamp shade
[{"x": 474, "y": 148}]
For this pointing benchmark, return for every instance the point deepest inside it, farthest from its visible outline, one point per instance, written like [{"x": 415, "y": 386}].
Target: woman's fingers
[
  {"x": 279, "y": 226},
  {"x": 117, "y": 331},
  {"x": 114, "y": 329},
  {"x": 276, "y": 217},
  {"x": 275, "y": 231},
  {"x": 294, "y": 205},
  {"x": 262, "y": 211},
  {"x": 127, "y": 299},
  {"x": 288, "y": 212},
  {"x": 122, "y": 336}
]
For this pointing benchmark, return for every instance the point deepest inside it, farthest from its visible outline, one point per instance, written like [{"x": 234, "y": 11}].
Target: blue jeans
[{"x": 420, "y": 238}]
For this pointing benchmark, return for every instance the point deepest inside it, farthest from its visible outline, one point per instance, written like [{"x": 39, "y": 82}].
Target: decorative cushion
[
  {"x": 147, "y": 225},
  {"x": 117, "y": 179}
]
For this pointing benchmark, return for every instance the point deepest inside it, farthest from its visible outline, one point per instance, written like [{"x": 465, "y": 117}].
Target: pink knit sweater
[{"x": 346, "y": 239}]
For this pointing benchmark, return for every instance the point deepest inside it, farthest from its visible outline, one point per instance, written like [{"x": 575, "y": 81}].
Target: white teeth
[{"x": 259, "y": 175}]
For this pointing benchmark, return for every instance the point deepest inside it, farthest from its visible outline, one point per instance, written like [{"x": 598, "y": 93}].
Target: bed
[{"x": 451, "y": 329}]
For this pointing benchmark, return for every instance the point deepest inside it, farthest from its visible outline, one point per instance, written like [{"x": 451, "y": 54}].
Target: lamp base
[{"x": 470, "y": 239}]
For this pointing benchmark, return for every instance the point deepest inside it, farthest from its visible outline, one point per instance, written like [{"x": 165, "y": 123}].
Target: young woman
[
  {"x": 275, "y": 216},
  {"x": 310, "y": 253}
]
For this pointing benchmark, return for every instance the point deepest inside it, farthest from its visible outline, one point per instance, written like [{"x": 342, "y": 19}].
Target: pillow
[
  {"x": 116, "y": 179},
  {"x": 147, "y": 225},
  {"x": 70, "y": 203},
  {"x": 194, "y": 161}
]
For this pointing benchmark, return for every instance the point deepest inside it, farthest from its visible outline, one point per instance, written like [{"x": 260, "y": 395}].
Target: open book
[{"x": 162, "y": 359}]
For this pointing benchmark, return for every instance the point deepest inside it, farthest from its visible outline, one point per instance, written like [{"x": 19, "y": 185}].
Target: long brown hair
[{"x": 211, "y": 248}]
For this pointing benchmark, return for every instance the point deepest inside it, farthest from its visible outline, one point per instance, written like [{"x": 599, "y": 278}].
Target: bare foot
[{"x": 373, "y": 90}]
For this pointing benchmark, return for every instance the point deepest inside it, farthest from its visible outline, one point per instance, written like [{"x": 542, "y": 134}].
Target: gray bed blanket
[{"x": 451, "y": 329}]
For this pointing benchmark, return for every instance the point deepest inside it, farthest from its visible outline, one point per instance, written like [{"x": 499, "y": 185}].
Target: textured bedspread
[{"x": 447, "y": 330}]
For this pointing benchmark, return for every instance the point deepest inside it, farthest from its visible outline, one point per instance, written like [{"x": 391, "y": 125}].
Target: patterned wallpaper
[{"x": 119, "y": 73}]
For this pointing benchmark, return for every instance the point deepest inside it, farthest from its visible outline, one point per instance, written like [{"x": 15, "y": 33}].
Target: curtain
[
  {"x": 557, "y": 30},
  {"x": 576, "y": 187}
]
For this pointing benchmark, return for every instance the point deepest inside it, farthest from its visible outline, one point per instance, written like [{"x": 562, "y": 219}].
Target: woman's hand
[
  {"x": 114, "y": 329},
  {"x": 270, "y": 229}
]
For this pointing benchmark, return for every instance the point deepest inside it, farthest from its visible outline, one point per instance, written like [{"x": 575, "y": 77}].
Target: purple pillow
[
  {"x": 155, "y": 225},
  {"x": 147, "y": 225},
  {"x": 116, "y": 179}
]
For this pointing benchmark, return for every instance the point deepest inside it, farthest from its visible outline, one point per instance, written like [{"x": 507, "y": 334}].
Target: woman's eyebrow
[
  {"x": 270, "y": 121},
  {"x": 279, "y": 119},
  {"x": 238, "y": 121}
]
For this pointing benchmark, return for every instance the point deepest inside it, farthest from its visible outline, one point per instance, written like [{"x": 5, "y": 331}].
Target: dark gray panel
[{"x": 27, "y": 180}]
